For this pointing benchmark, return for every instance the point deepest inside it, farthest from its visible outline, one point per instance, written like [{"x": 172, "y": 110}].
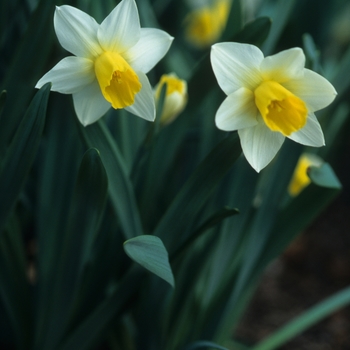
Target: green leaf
[
  {"x": 305, "y": 320},
  {"x": 20, "y": 155},
  {"x": 324, "y": 176},
  {"x": 87, "y": 208},
  {"x": 212, "y": 221},
  {"x": 312, "y": 53},
  {"x": 254, "y": 33},
  {"x": 282, "y": 12},
  {"x": 180, "y": 217},
  {"x": 234, "y": 21},
  {"x": 149, "y": 252},
  {"x": 94, "y": 326},
  {"x": 120, "y": 186},
  {"x": 57, "y": 170},
  {"x": 341, "y": 80},
  {"x": 14, "y": 286},
  {"x": 202, "y": 344},
  {"x": 27, "y": 65},
  {"x": 3, "y": 95}
]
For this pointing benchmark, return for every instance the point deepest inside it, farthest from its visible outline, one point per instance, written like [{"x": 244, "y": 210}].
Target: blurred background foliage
[{"x": 72, "y": 197}]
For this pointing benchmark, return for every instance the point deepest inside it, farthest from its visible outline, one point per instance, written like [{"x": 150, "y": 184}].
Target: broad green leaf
[
  {"x": 324, "y": 176},
  {"x": 2, "y": 100},
  {"x": 305, "y": 320},
  {"x": 255, "y": 32},
  {"x": 202, "y": 344},
  {"x": 282, "y": 12},
  {"x": 120, "y": 187},
  {"x": 20, "y": 155},
  {"x": 180, "y": 217},
  {"x": 212, "y": 221},
  {"x": 94, "y": 326},
  {"x": 27, "y": 66},
  {"x": 271, "y": 189},
  {"x": 87, "y": 208},
  {"x": 234, "y": 21},
  {"x": 149, "y": 252},
  {"x": 57, "y": 169},
  {"x": 312, "y": 53},
  {"x": 341, "y": 80},
  {"x": 14, "y": 286}
]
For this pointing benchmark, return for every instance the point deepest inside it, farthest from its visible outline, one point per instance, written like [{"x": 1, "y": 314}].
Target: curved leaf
[
  {"x": 120, "y": 187},
  {"x": 203, "y": 344},
  {"x": 87, "y": 208},
  {"x": 149, "y": 252},
  {"x": 20, "y": 154},
  {"x": 180, "y": 217}
]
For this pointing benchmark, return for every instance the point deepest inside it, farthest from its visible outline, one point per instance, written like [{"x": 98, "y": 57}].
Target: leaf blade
[{"x": 149, "y": 252}]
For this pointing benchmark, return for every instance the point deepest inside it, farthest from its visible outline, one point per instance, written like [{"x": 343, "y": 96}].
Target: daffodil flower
[
  {"x": 300, "y": 178},
  {"x": 268, "y": 99},
  {"x": 175, "y": 97},
  {"x": 110, "y": 63}
]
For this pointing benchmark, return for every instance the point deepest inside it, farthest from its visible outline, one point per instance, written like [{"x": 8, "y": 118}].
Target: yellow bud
[
  {"x": 205, "y": 25},
  {"x": 175, "y": 97},
  {"x": 300, "y": 178}
]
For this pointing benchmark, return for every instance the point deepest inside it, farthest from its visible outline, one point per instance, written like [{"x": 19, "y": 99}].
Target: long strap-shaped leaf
[
  {"x": 180, "y": 217},
  {"x": 14, "y": 286},
  {"x": 26, "y": 67},
  {"x": 94, "y": 326},
  {"x": 305, "y": 320},
  {"x": 20, "y": 155},
  {"x": 120, "y": 187},
  {"x": 85, "y": 215}
]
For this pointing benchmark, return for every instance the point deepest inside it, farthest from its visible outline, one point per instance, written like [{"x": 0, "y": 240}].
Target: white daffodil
[
  {"x": 175, "y": 97},
  {"x": 110, "y": 63},
  {"x": 268, "y": 99}
]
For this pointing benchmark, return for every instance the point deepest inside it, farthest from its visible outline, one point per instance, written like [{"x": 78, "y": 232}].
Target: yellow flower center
[
  {"x": 118, "y": 82},
  {"x": 281, "y": 110}
]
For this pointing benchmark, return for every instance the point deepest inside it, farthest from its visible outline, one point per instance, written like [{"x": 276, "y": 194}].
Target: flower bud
[{"x": 175, "y": 97}]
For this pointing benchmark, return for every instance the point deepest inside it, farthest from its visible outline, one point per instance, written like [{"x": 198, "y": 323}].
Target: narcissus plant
[
  {"x": 268, "y": 99},
  {"x": 110, "y": 63}
]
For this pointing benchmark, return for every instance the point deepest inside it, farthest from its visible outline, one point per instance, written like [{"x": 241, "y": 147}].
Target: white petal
[
  {"x": 285, "y": 65},
  {"x": 316, "y": 91},
  {"x": 236, "y": 65},
  {"x": 311, "y": 134},
  {"x": 69, "y": 75},
  {"x": 260, "y": 145},
  {"x": 89, "y": 104},
  {"x": 144, "y": 105},
  {"x": 77, "y": 31},
  {"x": 120, "y": 30},
  {"x": 238, "y": 111},
  {"x": 149, "y": 50}
]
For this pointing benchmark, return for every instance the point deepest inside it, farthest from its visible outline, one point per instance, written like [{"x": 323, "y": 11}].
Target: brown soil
[{"x": 315, "y": 265}]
